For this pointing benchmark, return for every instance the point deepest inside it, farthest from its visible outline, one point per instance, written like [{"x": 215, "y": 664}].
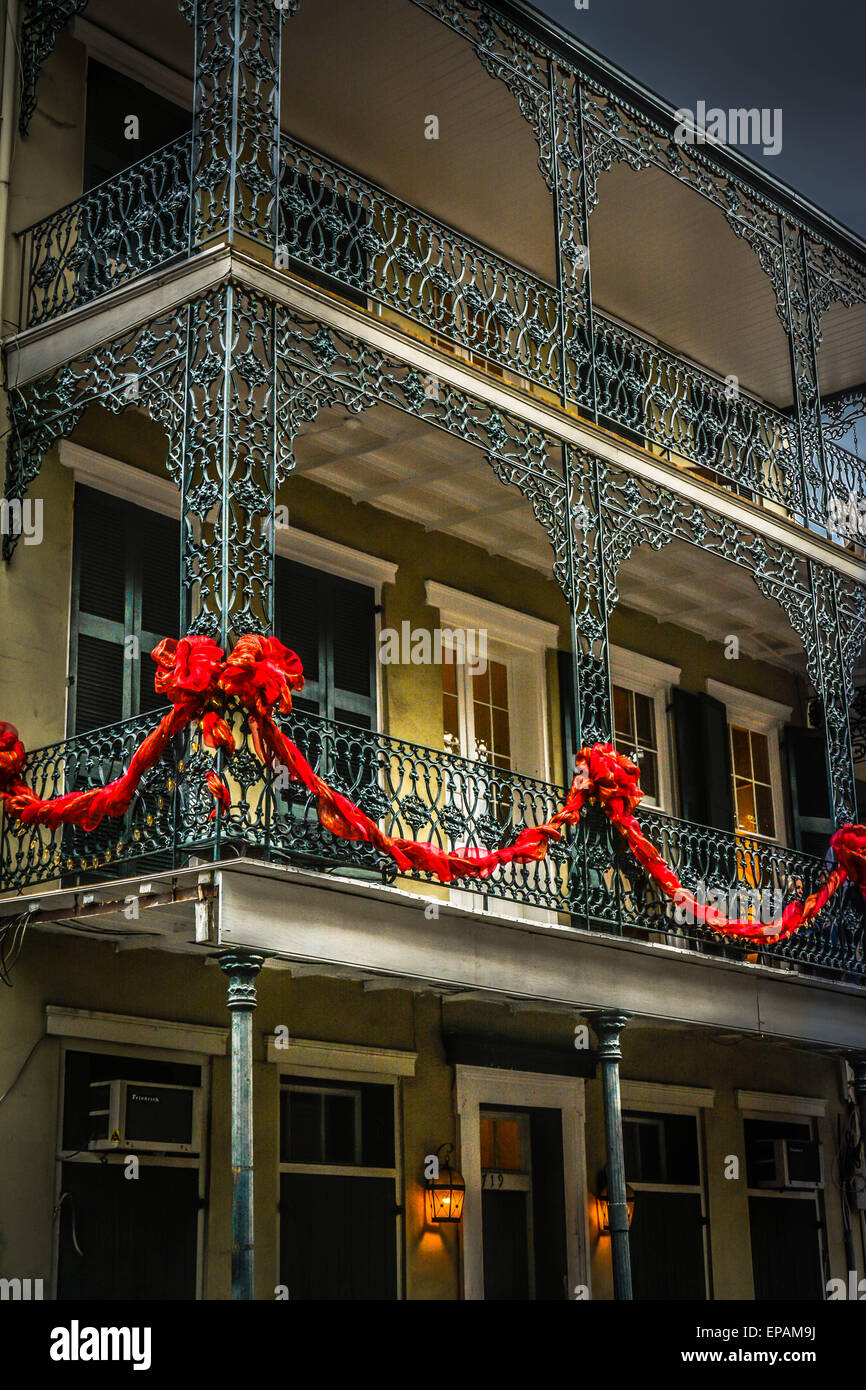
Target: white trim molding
[
  {"x": 643, "y": 673},
  {"x": 120, "y": 479},
  {"x": 122, "y": 57},
  {"x": 307, "y": 1055},
  {"x": 477, "y": 1086},
  {"x": 755, "y": 711},
  {"x": 654, "y": 1095},
  {"x": 62, "y": 1022},
  {"x": 337, "y": 559},
  {"x": 776, "y": 1103},
  {"x": 502, "y": 624}
]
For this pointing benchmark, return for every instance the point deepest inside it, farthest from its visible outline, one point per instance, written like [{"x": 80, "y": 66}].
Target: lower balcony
[{"x": 588, "y": 880}]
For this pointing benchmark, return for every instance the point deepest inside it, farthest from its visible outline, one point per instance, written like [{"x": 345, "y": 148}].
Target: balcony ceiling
[
  {"x": 359, "y": 80},
  {"x": 685, "y": 586},
  {"x": 402, "y": 465},
  {"x": 410, "y": 469}
]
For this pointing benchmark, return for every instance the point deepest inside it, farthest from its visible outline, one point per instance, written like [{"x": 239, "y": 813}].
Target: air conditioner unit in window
[
  {"x": 788, "y": 1164},
  {"x": 144, "y": 1117}
]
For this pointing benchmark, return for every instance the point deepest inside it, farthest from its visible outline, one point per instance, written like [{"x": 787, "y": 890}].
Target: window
[
  {"x": 663, "y": 1167},
  {"x": 339, "y": 1182},
  {"x": 640, "y": 691},
  {"x": 481, "y": 703},
  {"x": 126, "y": 599},
  {"x": 756, "y": 770},
  {"x": 635, "y": 735},
  {"x": 784, "y": 1225},
  {"x": 753, "y": 789},
  {"x": 503, "y": 1143},
  {"x": 496, "y": 715},
  {"x": 104, "y": 1222},
  {"x": 321, "y": 1126}
]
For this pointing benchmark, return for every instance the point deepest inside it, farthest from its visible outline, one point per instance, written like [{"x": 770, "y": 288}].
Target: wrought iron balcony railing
[
  {"x": 122, "y": 228},
  {"x": 587, "y": 879},
  {"x": 357, "y": 239}
]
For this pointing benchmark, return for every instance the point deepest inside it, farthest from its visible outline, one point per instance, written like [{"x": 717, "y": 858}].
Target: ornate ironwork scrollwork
[{"x": 39, "y": 30}]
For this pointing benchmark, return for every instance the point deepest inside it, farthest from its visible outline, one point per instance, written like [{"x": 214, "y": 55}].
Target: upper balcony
[
  {"x": 669, "y": 296},
  {"x": 388, "y": 512}
]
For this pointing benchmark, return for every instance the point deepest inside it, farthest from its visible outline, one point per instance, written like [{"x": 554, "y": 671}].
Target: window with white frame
[
  {"x": 756, "y": 766},
  {"x": 493, "y": 681},
  {"x": 640, "y": 692}
]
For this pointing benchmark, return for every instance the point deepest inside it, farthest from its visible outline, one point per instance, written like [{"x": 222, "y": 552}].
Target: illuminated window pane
[
  {"x": 766, "y": 818},
  {"x": 740, "y": 751},
  {"x": 622, "y": 711},
  {"x": 745, "y": 797},
  {"x": 508, "y": 1145},
  {"x": 499, "y": 684},
  {"x": 488, "y": 1142},
  {"x": 761, "y": 758},
  {"x": 753, "y": 792}
]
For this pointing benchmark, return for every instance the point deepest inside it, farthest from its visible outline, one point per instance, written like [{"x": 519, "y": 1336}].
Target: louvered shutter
[
  {"x": 810, "y": 796},
  {"x": 565, "y": 664},
  {"x": 330, "y": 623},
  {"x": 126, "y": 584},
  {"x": 298, "y": 624}
]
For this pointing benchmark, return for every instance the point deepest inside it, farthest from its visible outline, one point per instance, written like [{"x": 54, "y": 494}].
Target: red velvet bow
[
  {"x": 261, "y": 673},
  {"x": 188, "y": 670}
]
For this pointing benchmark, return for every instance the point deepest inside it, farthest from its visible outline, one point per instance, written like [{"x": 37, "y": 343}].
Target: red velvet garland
[{"x": 261, "y": 673}]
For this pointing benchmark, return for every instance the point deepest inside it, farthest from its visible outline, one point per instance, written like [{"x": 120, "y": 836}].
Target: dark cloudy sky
[{"x": 804, "y": 57}]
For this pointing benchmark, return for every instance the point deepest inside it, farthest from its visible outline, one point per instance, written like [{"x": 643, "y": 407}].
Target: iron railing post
[
  {"x": 242, "y": 967},
  {"x": 607, "y": 1025}
]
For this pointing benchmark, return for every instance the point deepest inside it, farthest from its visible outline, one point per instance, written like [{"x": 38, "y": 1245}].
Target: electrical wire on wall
[
  {"x": 12, "y": 935},
  {"x": 64, "y": 1197},
  {"x": 22, "y": 1068}
]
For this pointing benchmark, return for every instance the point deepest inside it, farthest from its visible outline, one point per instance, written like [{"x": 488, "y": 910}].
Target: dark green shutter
[
  {"x": 703, "y": 760},
  {"x": 568, "y": 722},
  {"x": 330, "y": 623},
  {"x": 716, "y": 759},
  {"x": 810, "y": 796},
  {"x": 126, "y": 584}
]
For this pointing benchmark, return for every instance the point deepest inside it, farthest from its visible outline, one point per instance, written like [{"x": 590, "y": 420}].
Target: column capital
[
  {"x": 608, "y": 1024},
  {"x": 242, "y": 968}
]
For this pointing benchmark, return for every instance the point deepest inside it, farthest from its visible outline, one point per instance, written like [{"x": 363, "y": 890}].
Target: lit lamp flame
[{"x": 446, "y": 1189}]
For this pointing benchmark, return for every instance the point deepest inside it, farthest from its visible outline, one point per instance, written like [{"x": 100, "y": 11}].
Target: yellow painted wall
[
  {"x": 47, "y": 164},
  {"x": 34, "y": 616}
]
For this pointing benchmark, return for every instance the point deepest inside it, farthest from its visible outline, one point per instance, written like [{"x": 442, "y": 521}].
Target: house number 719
[{"x": 492, "y": 1179}]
